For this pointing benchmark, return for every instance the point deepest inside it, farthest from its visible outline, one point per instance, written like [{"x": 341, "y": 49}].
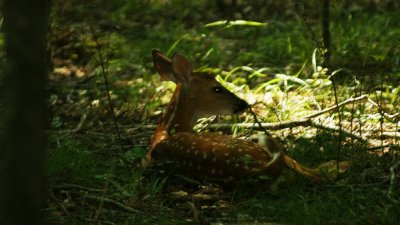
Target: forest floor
[{"x": 105, "y": 100}]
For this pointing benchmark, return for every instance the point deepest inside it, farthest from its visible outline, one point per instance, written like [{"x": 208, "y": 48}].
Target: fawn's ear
[
  {"x": 163, "y": 66},
  {"x": 181, "y": 68}
]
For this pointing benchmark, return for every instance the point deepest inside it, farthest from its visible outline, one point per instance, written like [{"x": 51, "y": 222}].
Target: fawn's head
[{"x": 200, "y": 92}]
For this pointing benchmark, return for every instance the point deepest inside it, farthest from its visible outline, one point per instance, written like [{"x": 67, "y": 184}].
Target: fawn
[{"x": 214, "y": 156}]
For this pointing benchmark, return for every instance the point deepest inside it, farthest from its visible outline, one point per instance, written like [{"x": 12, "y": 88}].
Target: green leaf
[{"x": 228, "y": 24}]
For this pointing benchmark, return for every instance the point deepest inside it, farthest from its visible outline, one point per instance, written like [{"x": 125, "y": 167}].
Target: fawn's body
[{"x": 210, "y": 155}]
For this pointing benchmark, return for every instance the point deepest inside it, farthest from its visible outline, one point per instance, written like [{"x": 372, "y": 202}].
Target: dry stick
[
  {"x": 395, "y": 147},
  {"x": 104, "y": 72},
  {"x": 289, "y": 124},
  {"x": 111, "y": 201},
  {"x": 258, "y": 122},
  {"x": 360, "y": 90},
  {"x": 99, "y": 222},
  {"x": 396, "y": 128},
  {"x": 336, "y": 106},
  {"x": 326, "y": 38},
  {"x": 308, "y": 27},
  {"x": 111, "y": 111},
  {"x": 393, "y": 135},
  {"x": 292, "y": 123},
  {"x": 61, "y": 206},
  {"x": 352, "y": 110},
  {"x": 388, "y": 116},
  {"x": 393, "y": 182},
  {"x": 269, "y": 126},
  {"x": 381, "y": 112},
  {"x": 76, "y": 186}
]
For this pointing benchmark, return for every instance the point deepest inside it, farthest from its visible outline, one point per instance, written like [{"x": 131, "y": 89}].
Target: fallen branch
[
  {"x": 52, "y": 196},
  {"x": 391, "y": 146},
  {"x": 284, "y": 125},
  {"x": 270, "y": 126},
  {"x": 112, "y": 201},
  {"x": 335, "y": 107},
  {"x": 388, "y": 116},
  {"x": 385, "y": 135},
  {"x": 76, "y": 186},
  {"x": 300, "y": 122}
]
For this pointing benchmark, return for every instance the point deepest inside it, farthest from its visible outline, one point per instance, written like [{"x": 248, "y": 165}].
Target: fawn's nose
[{"x": 241, "y": 106}]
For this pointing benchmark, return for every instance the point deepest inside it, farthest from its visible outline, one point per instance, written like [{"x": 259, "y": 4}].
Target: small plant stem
[
  {"x": 339, "y": 122},
  {"x": 381, "y": 112},
  {"x": 104, "y": 72},
  {"x": 258, "y": 122},
  {"x": 326, "y": 35}
]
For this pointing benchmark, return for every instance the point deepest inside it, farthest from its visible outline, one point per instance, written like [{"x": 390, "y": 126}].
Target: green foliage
[{"x": 73, "y": 162}]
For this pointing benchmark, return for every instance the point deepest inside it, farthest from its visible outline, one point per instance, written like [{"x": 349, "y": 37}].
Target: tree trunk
[{"x": 22, "y": 146}]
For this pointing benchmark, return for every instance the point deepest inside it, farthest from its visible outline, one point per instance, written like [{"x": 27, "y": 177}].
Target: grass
[{"x": 94, "y": 176}]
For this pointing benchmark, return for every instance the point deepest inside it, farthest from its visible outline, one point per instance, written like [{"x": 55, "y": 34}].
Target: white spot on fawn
[
  {"x": 204, "y": 155},
  {"x": 214, "y": 159}
]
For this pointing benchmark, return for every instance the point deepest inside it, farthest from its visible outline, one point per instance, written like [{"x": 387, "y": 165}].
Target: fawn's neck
[{"x": 179, "y": 116}]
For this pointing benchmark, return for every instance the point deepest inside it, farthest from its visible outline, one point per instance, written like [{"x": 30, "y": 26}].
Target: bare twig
[
  {"x": 337, "y": 106},
  {"x": 313, "y": 37},
  {"x": 61, "y": 206},
  {"x": 307, "y": 121},
  {"x": 383, "y": 135},
  {"x": 391, "y": 193},
  {"x": 258, "y": 122},
  {"x": 80, "y": 124},
  {"x": 269, "y": 126},
  {"x": 104, "y": 72},
  {"x": 286, "y": 124},
  {"x": 388, "y": 116},
  {"x": 112, "y": 201},
  {"x": 99, "y": 221},
  {"x": 76, "y": 186},
  {"x": 395, "y": 147},
  {"x": 339, "y": 149}
]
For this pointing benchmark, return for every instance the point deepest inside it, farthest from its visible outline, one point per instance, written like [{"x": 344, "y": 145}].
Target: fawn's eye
[{"x": 217, "y": 89}]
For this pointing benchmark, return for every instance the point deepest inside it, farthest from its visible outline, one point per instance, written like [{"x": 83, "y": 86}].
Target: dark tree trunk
[{"x": 22, "y": 119}]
